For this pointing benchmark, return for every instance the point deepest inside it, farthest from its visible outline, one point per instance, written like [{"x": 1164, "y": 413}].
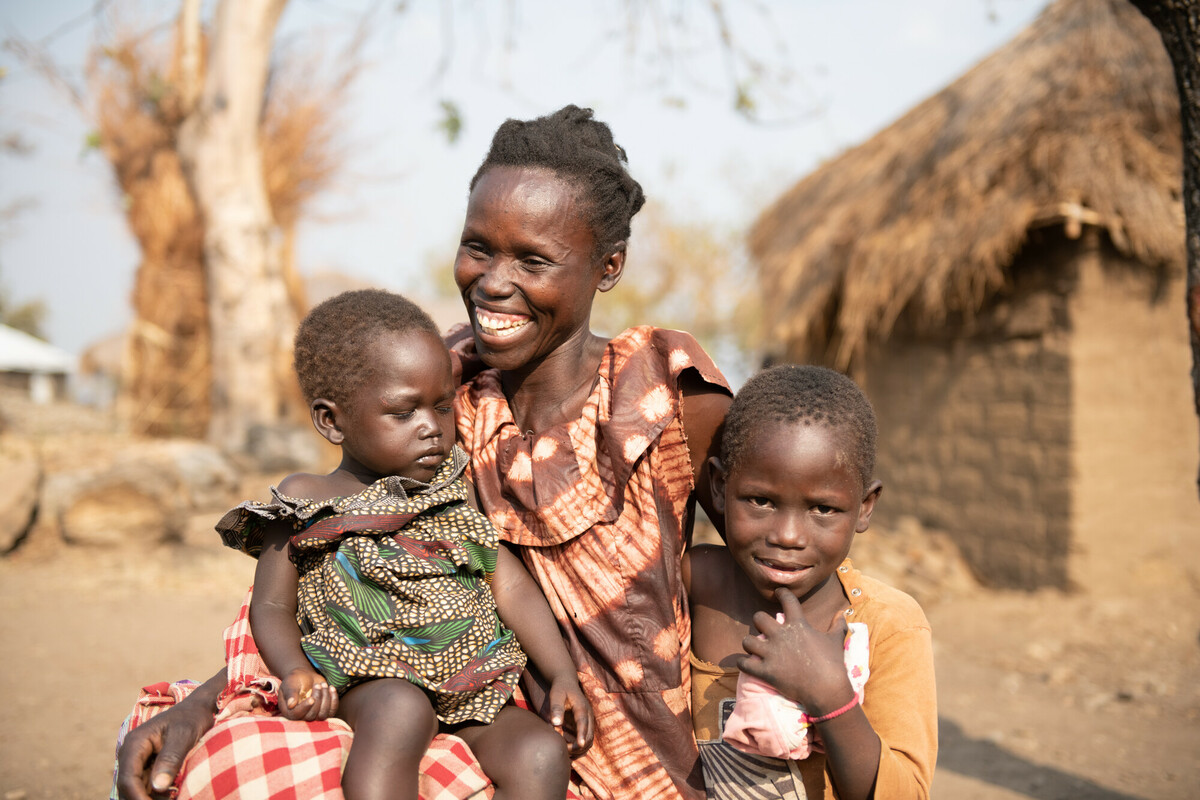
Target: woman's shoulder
[{"x": 670, "y": 352}]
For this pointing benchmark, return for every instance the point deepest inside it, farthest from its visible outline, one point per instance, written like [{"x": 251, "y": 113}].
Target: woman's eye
[
  {"x": 402, "y": 414},
  {"x": 759, "y": 502},
  {"x": 445, "y": 410},
  {"x": 825, "y": 510}
]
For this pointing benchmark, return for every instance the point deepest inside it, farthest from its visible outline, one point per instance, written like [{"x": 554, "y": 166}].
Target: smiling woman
[{"x": 587, "y": 454}]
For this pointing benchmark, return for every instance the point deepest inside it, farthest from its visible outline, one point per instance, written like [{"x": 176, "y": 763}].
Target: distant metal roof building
[
  {"x": 20, "y": 352},
  {"x": 28, "y": 362}
]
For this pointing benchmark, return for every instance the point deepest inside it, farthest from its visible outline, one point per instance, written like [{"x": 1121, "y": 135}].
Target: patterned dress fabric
[
  {"x": 395, "y": 582},
  {"x": 598, "y": 509}
]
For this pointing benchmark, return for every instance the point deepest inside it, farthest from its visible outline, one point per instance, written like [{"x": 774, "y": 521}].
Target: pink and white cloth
[{"x": 763, "y": 722}]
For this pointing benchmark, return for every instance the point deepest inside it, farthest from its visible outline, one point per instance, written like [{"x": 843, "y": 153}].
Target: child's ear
[
  {"x": 716, "y": 484},
  {"x": 324, "y": 415},
  {"x": 868, "y": 506}
]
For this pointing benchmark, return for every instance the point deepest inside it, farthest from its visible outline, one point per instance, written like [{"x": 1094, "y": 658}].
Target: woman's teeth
[{"x": 497, "y": 325}]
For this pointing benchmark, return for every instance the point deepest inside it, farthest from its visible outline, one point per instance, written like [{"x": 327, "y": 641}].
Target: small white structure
[{"x": 38, "y": 367}]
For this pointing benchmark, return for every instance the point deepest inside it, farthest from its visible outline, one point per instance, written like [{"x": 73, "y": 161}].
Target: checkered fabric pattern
[
  {"x": 254, "y": 754},
  {"x": 267, "y": 757},
  {"x": 251, "y": 753}
]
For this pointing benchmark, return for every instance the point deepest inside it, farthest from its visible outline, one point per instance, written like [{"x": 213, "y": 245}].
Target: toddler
[
  {"x": 807, "y": 676},
  {"x": 381, "y": 595}
]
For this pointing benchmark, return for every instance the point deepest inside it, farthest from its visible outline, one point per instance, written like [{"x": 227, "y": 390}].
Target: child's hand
[
  {"x": 566, "y": 695},
  {"x": 800, "y": 662},
  {"x": 305, "y": 694}
]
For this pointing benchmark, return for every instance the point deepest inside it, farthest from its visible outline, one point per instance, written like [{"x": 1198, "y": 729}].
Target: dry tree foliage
[{"x": 138, "y": 105}]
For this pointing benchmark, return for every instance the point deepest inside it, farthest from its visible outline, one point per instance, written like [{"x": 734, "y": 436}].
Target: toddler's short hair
[
  {"x": 801, "y": 393},
  {"x": 331, "y": 349}
]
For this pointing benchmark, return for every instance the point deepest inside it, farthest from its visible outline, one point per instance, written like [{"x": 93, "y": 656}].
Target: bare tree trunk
[
  {"x": 249, "y": 313},
  {"x": 1178, "y": 22}
]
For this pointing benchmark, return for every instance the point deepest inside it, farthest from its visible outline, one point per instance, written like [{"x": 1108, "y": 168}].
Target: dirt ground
[{"x": 1048, "y": 695}]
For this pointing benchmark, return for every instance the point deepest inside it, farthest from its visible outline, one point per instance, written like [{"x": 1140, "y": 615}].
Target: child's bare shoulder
[
  {"x": 307, "y": 486},
  {"x": 707, "y": 571}
]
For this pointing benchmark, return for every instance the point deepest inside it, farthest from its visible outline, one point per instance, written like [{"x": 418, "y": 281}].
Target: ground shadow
[{"x": 988, "y": 762}]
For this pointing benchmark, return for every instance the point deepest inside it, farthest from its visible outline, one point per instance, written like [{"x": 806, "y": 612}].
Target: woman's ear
[
  {"x": 614, "y": 265},
  {"x": 868, "y": 506},
  {"x": 324, "y": 415},
  {"x": 716, "y": 482}
]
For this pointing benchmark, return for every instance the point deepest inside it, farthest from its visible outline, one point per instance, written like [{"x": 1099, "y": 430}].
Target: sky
[{"x": 838, "y": 72}]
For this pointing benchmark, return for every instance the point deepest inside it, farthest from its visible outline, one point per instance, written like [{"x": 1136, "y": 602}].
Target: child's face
[
  {"x": 792, "y": 506},
  {"x": 401, "y": 420}
]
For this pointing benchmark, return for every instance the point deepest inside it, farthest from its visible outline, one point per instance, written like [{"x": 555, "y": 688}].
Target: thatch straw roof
[{"x": 1073, "y": 122}]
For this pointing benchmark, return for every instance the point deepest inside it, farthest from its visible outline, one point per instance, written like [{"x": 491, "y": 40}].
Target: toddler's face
[
  {"x": 792, "y": 506},
  {"x": 401, "y": 420}
]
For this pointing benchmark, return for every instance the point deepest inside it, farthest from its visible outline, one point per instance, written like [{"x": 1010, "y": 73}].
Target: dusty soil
[{"x": 1047, "y": 695}]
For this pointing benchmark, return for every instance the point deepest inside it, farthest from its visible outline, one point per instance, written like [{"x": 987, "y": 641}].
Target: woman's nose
[{"x": 496, "y": 276}]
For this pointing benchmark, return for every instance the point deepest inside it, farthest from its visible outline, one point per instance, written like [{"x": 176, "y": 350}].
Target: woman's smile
[
  {"x": 527, "y": 266},
  {"x": 490, "y": 323}
]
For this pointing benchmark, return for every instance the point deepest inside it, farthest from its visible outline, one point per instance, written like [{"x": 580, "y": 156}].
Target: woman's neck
[{"x": 555, "y": 390}]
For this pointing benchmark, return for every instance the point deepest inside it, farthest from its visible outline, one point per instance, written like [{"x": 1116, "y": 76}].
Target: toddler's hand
[
  {"x": 798, "y": 661},
  {"x": 305, "y": 694},
  {"x": 571, "y": 713}
]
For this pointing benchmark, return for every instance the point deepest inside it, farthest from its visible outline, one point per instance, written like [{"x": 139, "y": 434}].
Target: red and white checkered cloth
[{"x": 253, "y": 753}]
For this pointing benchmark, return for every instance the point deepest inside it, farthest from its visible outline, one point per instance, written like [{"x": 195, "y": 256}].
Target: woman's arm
[
  {"x": 704, "y": 407},
  {"x": 169, "y": 735},
  {"x": 524, "y": 610},
  {"x": 304, "y": 693}
]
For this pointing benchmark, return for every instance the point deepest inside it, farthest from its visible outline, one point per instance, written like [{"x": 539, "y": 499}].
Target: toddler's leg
[
  {"x": 522, "y": 754},
  {"x": 393, "y": 724}
]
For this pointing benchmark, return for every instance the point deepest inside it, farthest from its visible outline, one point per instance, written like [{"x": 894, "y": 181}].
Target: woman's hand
[
  {"x": 571, "y": 713},
  {"x": 464, "y": 361},
  {"x": 305, "y": 694},
  {"x": 798, "y": 661},
  {"x": 169, "y": 735}
]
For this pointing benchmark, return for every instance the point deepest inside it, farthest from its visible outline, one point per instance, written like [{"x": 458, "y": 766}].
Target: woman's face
[{"x": 527, "y": 266}]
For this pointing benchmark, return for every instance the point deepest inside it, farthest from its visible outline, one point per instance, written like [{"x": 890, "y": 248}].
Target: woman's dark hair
[
  {"x": 331, "y": 351},
  {"x": 812, "y": 395},
  {"x": 580, "y": 150}
]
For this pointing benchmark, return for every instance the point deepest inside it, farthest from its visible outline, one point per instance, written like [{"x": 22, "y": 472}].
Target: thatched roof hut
[
  {"x": 1075, "y": 121},
  {"x": 1002, "y": 270}
]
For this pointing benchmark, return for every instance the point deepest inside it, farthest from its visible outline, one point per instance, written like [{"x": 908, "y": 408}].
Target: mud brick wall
[{"x": 975, "y": 441}]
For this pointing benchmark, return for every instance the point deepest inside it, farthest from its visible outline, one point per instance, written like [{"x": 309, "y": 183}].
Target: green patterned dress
[{"x": 395, "y": 582}]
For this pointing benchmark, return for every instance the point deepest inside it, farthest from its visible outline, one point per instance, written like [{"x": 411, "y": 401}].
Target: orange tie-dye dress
[{"x": 600, "y": 509}]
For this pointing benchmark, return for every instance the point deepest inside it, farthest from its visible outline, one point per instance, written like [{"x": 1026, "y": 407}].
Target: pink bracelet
[{"x": 833, "y": 714}]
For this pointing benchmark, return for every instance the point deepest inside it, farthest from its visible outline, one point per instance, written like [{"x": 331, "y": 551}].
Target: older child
[
  {"x": 381, "y": 595},
  {"x": 832, "y": 670}
]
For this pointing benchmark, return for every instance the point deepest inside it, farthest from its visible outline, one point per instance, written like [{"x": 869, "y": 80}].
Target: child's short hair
[
  {"x": 332, "y": 343},
  {"x": 808, "y": 394}
]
